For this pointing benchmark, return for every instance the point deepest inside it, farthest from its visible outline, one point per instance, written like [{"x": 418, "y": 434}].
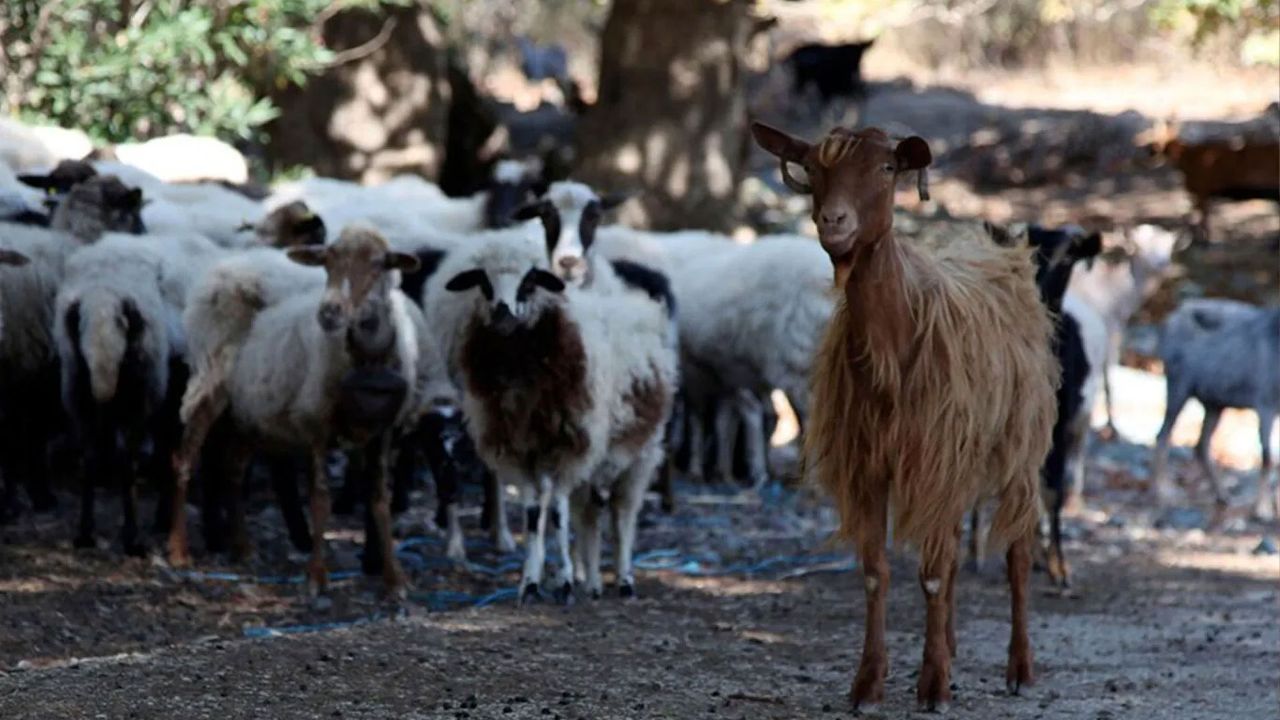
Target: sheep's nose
[
  {"x": 568, "y": 263},
  {"x": 330, "y": 317}
]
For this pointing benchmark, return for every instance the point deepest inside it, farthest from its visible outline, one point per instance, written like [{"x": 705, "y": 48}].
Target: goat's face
[
  {"x": 291, "y": 225},
  {"x": 570, "y": 213},
  {"x": 361, "y": 272},
  {"x": 851, "y": 175},
  {"x": 513, "y": 297},
  {"x": 1151, "y": 248},
  {"x": 1056, "y": 253}
]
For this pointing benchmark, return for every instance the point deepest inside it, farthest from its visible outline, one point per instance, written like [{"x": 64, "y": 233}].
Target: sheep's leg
[
  {"x": 352, "y": 483},
  {"x": 1211, "y": 417},
  {"x": 1019, "y": 565},
  {"x": 625, "y": 504},
  {"x": 933, "y": 688},
  {"x": 194, "y": 434},
  {"x": 317, "y": 576},
  {"x": 564, "y": 577},
  {"x": 97, "y": 464},
  {"x": 977, "y": 541},
  {"x": 1109, "y": 431},
  {"x": 586, "y": 520},
  {"x": 237, "y": 465},
  {"x": 751, "y": 411},
  {"x": 125, "y": 469},
  {"x": 726, "y": 426},
  {"x": 1176, "y": 397},
  {"x": 284, "y": 480},
  {"x": 867, "y": 690},
  {"x": 499, "y": 525},
  {"x": 535, "y": 544},
  {"x": 1267, "y": 487},
  {"x": 695, "y": 437},
  {"x": 402, "y": 476},
  {"x": 379, "y": 503}
]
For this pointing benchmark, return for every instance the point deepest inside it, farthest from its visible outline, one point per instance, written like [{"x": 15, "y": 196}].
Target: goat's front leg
[
  {"x": 499, "y": 525},
  {"x": 867, "y": 690},
  {"x": 317, "y": 575},
  {"x": 1268, "y": 492},
  {"x": 933, "y": 689},
  {"x": 535, "y": 544}
]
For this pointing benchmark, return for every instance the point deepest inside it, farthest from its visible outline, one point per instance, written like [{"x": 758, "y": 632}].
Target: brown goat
[
  {"x": 1225, "y": 170},
  {"x": 933, "y": 388}
]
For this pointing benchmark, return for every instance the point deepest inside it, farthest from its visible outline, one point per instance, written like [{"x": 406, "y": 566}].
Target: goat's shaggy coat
[{"x": 933, "y": 388}]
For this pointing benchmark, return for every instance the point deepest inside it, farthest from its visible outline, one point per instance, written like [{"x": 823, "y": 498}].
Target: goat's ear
[
  {"x": 307, "y": 255},
  {"x": 531, "y": 210},
  {"x": 614, "y": 199},
  {"x": 12, "y": 257},
  {"x": 404, "y": 262},
  {"x": 546, "y": 280},
  {"x": 466, "y": 280},
  {"x": 912, "y": 154},
  {"x": 779, "y": 144}
]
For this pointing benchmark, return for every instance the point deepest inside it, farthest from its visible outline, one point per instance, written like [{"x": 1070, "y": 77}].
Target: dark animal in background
[
  {"x": 1223, "y": 353},
  {"x": 543, "y": 62},
  {"x": 835, "y": 70}
]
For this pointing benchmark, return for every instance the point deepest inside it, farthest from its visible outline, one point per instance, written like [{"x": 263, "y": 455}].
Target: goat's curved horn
[
  {"x": 922, "y": 183},
  {"x": 794, "y": 184}
]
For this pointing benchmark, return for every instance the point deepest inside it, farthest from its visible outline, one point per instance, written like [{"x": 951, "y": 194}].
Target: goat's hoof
[
  {"x": 933, "y": 689},
  {"x": 564, "y": 594},
  {"x": 866, "y": 709},
  {"x": 1018, "y": 675},
  {"x": 135, "y": 548},
  {"x": 626, "y": 590},
  {"x": 85, "y": 542},
  {"x": 530, "y": 594}
]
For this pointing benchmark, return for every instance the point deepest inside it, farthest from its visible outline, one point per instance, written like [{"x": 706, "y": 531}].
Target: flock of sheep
[{"x": 177, "y": 328}]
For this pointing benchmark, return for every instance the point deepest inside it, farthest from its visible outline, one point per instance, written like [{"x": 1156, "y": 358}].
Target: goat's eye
[{"x": 888, "y": 167}]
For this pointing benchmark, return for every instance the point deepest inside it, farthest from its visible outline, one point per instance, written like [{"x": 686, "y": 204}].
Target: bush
[{"x": 132, "y": 69}]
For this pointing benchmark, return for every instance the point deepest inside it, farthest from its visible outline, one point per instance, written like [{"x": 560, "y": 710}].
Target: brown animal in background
[
  {"x": 934, "y": 387},
  {"x": 1225, "y": 169}
]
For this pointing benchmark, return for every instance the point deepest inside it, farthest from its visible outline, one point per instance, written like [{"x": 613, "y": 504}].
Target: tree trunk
[{"x": 671, "y": 118}]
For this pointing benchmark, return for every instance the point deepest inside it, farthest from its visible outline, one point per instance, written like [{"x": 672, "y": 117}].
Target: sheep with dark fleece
[{"x": 835, "y": 70}]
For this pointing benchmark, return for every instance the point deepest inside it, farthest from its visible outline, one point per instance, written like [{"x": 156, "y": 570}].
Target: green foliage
[
  {"x": 124, "y": 69},
  {"x": 1254, "y": 22}
]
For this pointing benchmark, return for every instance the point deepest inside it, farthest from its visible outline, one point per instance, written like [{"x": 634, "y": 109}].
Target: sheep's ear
[
  {"x": 404, "y": 262},
  {"x": 614, "y": 199},
  {"x": 546, "y": 280},
  {"x": 308, "y": 225},
  {"x": 466, "y": 280},
  {"x": 531, "y": 210},
  {"x": 12, "y": 257},
  {"x": 779, "y": 144},
  {"x": 40, "y": 182},
  {"x": 307, "y": 255},
  {"x": 912, "y": 154},
  {"x": 133, "y": 198},
  {"x": 1088, "y": 247}
]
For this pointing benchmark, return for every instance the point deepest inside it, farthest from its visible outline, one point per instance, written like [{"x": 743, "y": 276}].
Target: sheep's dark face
[
  {"x": 512, "y": 299},
  {"x": 361, "y": 272},
  {"x": 851, "y": 175},
  {"x": 292, "y": 225},
  {"x": 101, "y": 203},
  {"x": 59, "y": 181},
  {"x": 570, "y": 214},
  {"x": 1057, "y": 252}
]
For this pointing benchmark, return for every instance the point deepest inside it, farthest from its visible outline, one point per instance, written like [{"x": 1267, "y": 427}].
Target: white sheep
[
  {"x": 118, "y": 331},
  {"x": 183, "y": 157},
  {"x": 333, "y": 365},
  {"x": 565, "y": 391}
]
